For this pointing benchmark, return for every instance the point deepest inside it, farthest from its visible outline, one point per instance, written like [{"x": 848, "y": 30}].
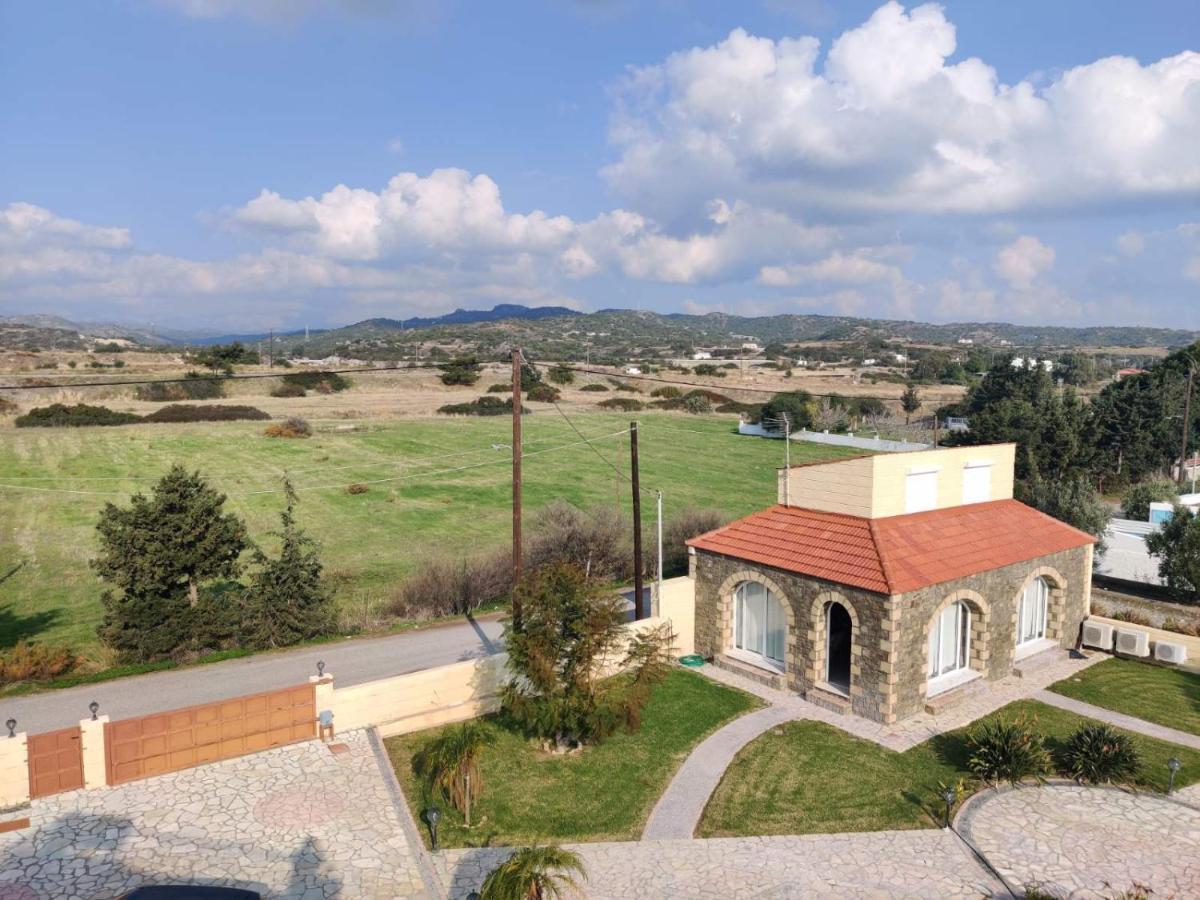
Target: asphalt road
[{"x": 349, "y": 662}]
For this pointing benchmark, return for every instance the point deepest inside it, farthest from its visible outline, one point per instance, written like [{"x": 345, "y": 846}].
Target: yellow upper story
[{"x": 892, "y": 484}]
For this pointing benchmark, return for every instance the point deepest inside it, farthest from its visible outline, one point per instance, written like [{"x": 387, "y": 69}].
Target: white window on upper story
[
  {"x": 977, "y": 482},
  {"x": 921, "y": 490}
]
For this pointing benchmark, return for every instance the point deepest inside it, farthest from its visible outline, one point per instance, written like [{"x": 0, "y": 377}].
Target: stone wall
[{"x": 890, "y": 639}]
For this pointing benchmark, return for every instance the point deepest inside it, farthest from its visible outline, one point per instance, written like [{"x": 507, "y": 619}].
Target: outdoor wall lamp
[
  {"x": 12, "y": 727},
  {"x": 432, "y": 815},
  {"x": 949, "y": 795},
  {"x": 1173, "y": 766},
  {"x": 95, "y": 708},
  {"x": 320, "y": 668}
]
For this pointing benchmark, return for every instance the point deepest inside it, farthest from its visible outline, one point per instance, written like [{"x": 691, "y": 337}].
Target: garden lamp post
[
  {"x": 949, "y": 795},
  {"x": 432, "y": 815},
  {"x": 95, "y": 708},
  {"x": 11, "y": 725},
  {"x": 1173, "y": 766}
]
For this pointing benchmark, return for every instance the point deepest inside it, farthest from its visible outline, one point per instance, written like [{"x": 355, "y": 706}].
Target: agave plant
[
  {"x": 1009, "y": 751},
  {"x": 534, "y": 873},
  {"x": 1099, "y": 754},
  {"x": 450, "y": 763}
]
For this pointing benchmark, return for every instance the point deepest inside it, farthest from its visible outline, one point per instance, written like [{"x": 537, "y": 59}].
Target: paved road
[{"x": 350, "y": 662}]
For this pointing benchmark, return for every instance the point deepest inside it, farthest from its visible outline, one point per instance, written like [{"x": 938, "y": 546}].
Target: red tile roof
[{"x": 897, "y": 554}]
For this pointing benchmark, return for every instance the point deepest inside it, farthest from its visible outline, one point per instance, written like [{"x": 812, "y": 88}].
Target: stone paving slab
[
  {"x": 1121, "y": 720},
  {"x": 293, "y": 822},
  {"x": 930, "y": 863},
  {"x": 1073, "y": 840}
]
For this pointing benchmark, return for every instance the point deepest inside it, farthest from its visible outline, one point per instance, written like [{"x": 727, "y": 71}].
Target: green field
[{"x": 416, "y": 504}]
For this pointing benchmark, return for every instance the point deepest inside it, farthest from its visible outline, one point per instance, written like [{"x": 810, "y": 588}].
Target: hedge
[
  {"x": 58, "y": 414},
  {"x": 182, "y": 412}
]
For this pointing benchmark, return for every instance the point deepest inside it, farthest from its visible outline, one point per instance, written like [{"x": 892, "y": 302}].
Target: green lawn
[
  {"x": 1169, "y": 697},
  {"x": 370, "y": 540},
  {"x": 808, "y": 777},
  {"x": 604, "y": 793}
]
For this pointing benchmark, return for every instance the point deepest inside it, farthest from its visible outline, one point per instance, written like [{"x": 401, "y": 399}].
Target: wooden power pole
[
  {"x": 516, "y": 485},
  {"x": 1187, "y": 425},
  {"x": 639, "y": 600}
]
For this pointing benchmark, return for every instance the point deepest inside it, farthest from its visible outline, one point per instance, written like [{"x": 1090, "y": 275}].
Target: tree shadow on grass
[
  {"x": 11, "y": 572},
  {"x": 15, "y": 627}
]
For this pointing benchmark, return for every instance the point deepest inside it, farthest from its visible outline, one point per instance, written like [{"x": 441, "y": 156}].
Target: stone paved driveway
[
  {"x": 295, "y": 822},
  {"x": 1073, "y": 840},
  {"x": 877, "y": 865}
]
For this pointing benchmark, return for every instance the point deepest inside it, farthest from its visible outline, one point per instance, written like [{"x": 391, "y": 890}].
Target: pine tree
[
  {"x": 910, "y": 401},
  {"x": 286, "y": 600},
  {"x": 157, "y": 552}
]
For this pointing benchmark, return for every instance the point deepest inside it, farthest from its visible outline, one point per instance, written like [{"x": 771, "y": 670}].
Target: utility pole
[
  {"x": 935, "y": 430},
  {"x": 271, "y": 350},
  {"x": 639, "y": 602},
  {"x": 787, "y": 462},
  {"x": 516, "y": 485},
  {"x": 1187, "y": 425},
  {"x": 658, "y": 499}
]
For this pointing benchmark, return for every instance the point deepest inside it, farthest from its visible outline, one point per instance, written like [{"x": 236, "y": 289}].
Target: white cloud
[
  {"x": 23, "y": 224},
  {"x": 853, "y": 269},
  {"x": 1131, "y": 244},
  {"x": 887, "y": 125},
  {"x": 1022, "y": 261}
]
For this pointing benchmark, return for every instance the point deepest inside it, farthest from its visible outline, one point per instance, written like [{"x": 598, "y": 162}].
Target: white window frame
[
  {"x": 939, "y": 677},
  {"x": 981, "y": 469},
  {"x": 922, "y": 499},
  {"x": 1032, "y": 611},
  {"x": 758, "y": 656}
]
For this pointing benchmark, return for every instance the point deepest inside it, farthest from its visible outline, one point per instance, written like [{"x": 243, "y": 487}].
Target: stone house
[{"x": 886, "y": 585}]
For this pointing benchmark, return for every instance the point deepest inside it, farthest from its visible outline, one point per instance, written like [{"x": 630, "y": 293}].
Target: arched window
[
  {"x": 950, "y": 641},
  {"x": 760, "y": 625},
  {"x": 1031, "y": 611}
]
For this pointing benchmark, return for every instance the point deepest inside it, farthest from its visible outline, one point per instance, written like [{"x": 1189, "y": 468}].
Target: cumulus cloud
[
  {"x": 851, "y": 269},
  {"x": 887, "y": 125},
  {"x": 1022, "y": 261},
  {"x": 26, "y": 225}
]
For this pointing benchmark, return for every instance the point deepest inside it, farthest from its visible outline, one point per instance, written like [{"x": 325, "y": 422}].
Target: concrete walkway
[
  {"x": 1129, "y": 723},
  {"x": 349, "y": 661}
]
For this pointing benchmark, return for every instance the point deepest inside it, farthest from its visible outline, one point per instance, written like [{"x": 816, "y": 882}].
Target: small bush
[
  {"x": 1007, "y": 751},
  {"x": 625, "y": 404},
  {"x": 544, "y": 393},
  {"x": 183, "y": 412},
  {"x": 1099, "y": 754},
  {"x": 484, "y": 406},
  {"x": 194, "y": 387},
  {"x": 1191, "y": 629},
  {"x": 667, "y": 393},
  {"x": 321, "y": 382},
  {"x": 35, "y": 662},
  {"x": 1132, "y": 617},
  {"x": 57, "y": 415},
  {"x": 697, "y": 406},
  {"x": 461, "y": 371},
  {"x": 710, "y": 370},
  {"x": 628, "y": 388},
  {"x": 561, "y": 374},
  {"x": 1136, "y": 502},
  {"x": 752, "y": 411},
  {"x": 289, "y": 389},
  {"x": 502, "y": 388},
  {"x": 686, "y": 524},
  {"x": 451, "y": 585},
  {"x": 594, "y": 541},
  {"x": 291, "y": 427},
  {"x": 356, "y": 488},
  {"x": 711, "y": 396},
  {"x": 7, "y": 407},
  {"x": 595, "y": 387}
]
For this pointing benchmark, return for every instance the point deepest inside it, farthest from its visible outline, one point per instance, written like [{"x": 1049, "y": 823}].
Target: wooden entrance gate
[
  {"x": 55, "y": 761},
  {"x": 181, "y": 738}
]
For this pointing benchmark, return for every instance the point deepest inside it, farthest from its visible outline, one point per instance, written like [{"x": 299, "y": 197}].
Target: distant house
[
  {"x": 632, "y": 370},
  {"x": 900, "y": 357},
  {"x": 965, "y": 341},
  {"x": 1020, "y": 362},
  {"x": 888, "y": 584},
  {"x": 870, "y": 362},
  {"x": 751, "y": 345},
  {"x": 1122, "y": 374},
  {"x": 702, "y": 354},
  {"x": 957, "y": 423}
]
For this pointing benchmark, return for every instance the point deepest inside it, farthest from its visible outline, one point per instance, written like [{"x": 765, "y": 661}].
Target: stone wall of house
[
  {"x": 717, "y": 577},
  {"x": 891, "y": 634},
  {"x": 993, "y": 599}
]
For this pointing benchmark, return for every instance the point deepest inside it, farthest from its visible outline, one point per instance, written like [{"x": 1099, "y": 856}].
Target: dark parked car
[{"x": 189, "y": 892}]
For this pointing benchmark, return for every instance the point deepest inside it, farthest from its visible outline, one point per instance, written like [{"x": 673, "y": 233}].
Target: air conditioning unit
[
  {"x": 1133, "y": 643},
  {"x": 1097, "y": 634},
  {"x": 1170, "y": 652}
]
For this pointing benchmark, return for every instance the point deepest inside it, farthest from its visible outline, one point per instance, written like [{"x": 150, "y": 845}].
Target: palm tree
[
  {"x": 534, "y": 873},
  {"x": 450, "y": 763}
]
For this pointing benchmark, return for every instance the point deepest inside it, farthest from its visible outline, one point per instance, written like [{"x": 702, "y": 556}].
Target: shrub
[
  {"x": 58, "y": 415},
  {"x": 289, "y": 389},
  {"x": 503, "y": 387},
  {"x": 356, "y": 488},
  {"x": 1099, "y": 754},
  {"x": 561, "y": 374},
  {"x": 1192, "y": 629},
  {"x": 1136, "y": 502},
  {"x": 710, "y": 370},
  {"x": 752, "y": 411},
  {"x": 593, "y": 541},
  {"x": 193, "y": 387},
  {"x": 451, "y": 585},
  {"x": 796, "y": 405},
  {"x": 1007, "y": 751},
  {"x": 7, "y": 407},
  {"x": 625, "y": 404},
  {"x": 667, "y": 393},
  {"x": 697, "y": 406},
  {"x": 321, "y": 382},
  {"x": 461, "y": 371},
  {"x": 711, "y": 396},
  {"x": 291, "y": 427},
  {"x": 544, "y": 873},
  {"x": 627, "y": 387},
  {"x": 450, "y": 763},
  {"x": 686, "y": 524},
  {"x": 595, "y": 387},
  {"x": 1132, "y": 617},
  {"x": 183, "y": 412},
  {"x": 484, "y": 406},
  {"x": 35, "y": 662},
  {"x": 544, "y": 393}
]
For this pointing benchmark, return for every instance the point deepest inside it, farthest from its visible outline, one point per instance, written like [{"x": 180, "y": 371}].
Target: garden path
[{"x": 1129, "y": 723}]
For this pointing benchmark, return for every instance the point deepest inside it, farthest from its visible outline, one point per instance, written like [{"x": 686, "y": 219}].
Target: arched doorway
[{"x": 839, "y": 636}]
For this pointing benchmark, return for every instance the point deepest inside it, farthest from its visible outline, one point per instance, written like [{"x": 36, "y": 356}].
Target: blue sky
[{"x": 272, "y": 163}]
